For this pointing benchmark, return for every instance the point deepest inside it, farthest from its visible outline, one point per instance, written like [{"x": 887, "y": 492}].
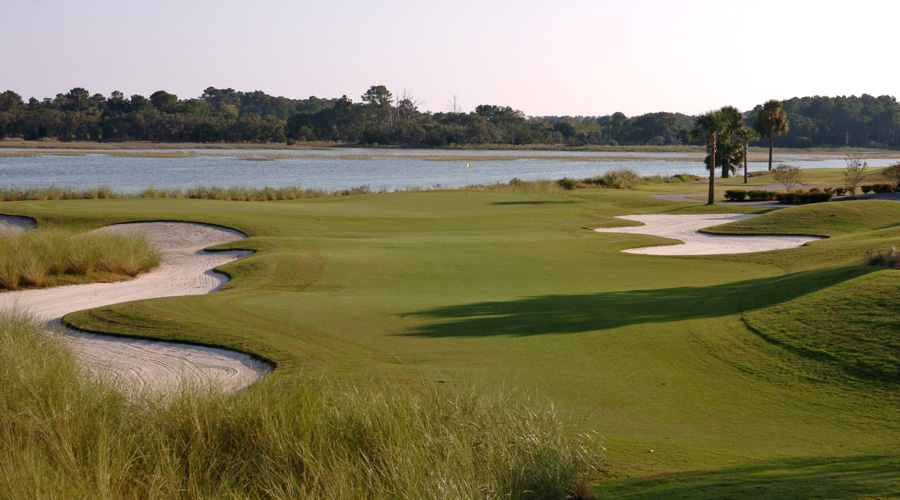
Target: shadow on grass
[
  {"x": 556, "y": 314},
  {"x": 839, "y": 478}
]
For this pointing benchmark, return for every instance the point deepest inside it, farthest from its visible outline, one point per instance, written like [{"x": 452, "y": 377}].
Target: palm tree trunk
[
  {"x": 771, "y": 147},
  {"x": 712, "y": 174},
  {"x": 745, "y": 163}
]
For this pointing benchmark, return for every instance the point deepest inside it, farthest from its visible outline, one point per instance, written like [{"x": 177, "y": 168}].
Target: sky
[{"x": 566, "y": 57}]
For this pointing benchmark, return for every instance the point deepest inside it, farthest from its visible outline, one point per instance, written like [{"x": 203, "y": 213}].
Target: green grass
[
  {"x": 851, "y": 325},
  {"x": 51, "y": 257},
  {"x": 67, "y": 435},
  {"x": 506, "y": 289}
]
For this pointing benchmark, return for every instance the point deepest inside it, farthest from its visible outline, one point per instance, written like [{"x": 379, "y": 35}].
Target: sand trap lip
[
  {"x": 140, "y": 364},
  {"x": 686, "y": 228}
]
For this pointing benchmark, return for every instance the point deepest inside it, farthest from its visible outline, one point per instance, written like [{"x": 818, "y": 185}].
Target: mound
[{"x": 852, "y": 326}]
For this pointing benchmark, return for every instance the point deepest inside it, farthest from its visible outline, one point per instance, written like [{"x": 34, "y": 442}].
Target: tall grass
[
  {"x": 200, "y": 192},
  {"x": 64, "y": 434},
  {"x": 49, "y": 256}
]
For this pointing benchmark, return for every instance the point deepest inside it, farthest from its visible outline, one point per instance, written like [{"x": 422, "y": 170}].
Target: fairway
[{"x": 680, "y": 363}]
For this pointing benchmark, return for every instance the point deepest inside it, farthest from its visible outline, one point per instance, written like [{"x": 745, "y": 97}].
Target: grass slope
[{"x": 510, "y": 290}]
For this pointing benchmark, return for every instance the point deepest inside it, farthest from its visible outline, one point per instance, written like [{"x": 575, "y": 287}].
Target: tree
[
  {"x": 854, "y": 173},
  {"x": 11, "y": 101},
  {"x": 164, "y": 101},
  {"x": 708, "y": 126},
  {"x": 893, "y": 173},
  {"x": 378, "y": 99},
  {"x": 745, "y": 135},
  {"x": 789, "y": 175},
  {"x": 771, "y": 120},
  {"x": 729, "y": 153}
]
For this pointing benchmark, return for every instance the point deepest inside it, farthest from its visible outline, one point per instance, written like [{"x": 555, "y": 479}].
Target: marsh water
[{"x": 134, "y": 170}]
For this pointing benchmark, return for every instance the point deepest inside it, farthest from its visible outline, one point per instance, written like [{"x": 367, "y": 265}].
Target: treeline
[
  {"x": 863, "y": 121},
  {"x": 226, "y": 115}
]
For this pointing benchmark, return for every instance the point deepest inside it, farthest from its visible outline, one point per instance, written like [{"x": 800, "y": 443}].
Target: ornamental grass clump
[
  {"x": 889, "y": 259},
  {"x": 51, "y": 256},
  {"x": 68, "y": 434}
]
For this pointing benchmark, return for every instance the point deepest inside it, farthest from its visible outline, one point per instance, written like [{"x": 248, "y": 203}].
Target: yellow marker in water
[{"x": 468, "y": 165}]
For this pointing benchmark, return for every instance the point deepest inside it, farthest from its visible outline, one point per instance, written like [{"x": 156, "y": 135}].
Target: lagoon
[{"x": 134, "y": 170}]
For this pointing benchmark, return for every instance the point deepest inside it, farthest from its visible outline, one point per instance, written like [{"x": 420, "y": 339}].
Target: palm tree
[
  {"x": 745, "y": 135},
  {"x": 709, "y": 125},
  {"x": 728, "y": 153},
  {"x": 771, "y": 120}
]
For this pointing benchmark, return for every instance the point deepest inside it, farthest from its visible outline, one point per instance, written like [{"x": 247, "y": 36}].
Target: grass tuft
[
  {"x": 52, "y": 256},
  {"x": 889, "y": 259}
]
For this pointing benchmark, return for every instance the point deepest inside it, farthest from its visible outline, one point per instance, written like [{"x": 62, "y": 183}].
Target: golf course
[{"x": 768, "y": 375}]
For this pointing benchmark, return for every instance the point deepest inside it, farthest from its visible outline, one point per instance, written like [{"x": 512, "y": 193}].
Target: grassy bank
[
  {"x": 51, "y": 257},
  {"x": 509, "y": 289},
  {"x": 66, "y": 435}
]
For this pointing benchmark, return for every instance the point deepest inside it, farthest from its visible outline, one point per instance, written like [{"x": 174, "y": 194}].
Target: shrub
[
  {"x": 684, "y": 178},
  {"x": 735, "y": 195},
  {"x": 802, "y": 198},
  {"x": 854, "y": 173},
  {"x": 883, "y": 188},
  {"x": 760, "y": 195},
  {"x": 566, "y": 183},
  {"x": 866, "y": 189},
  {"x": 893, "y": 173},
  {"x": 889, "y": 259},
  {"x": 621, "y": 178},
  {"x": 789, "y": 175}
]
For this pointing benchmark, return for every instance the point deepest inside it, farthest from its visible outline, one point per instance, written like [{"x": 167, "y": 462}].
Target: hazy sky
[{"x": 576, "y": 57}]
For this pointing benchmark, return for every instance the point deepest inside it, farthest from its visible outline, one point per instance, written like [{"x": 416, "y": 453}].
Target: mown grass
[
  {"x": 497, "y": 289},
  {"x": 67, "y": 434},
  {"x": 48, "y": 257},
  {"x": 852, "y": 325}
]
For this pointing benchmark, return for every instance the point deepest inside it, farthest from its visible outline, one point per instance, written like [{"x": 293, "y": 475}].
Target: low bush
[
  {"x": 802, "y": 198},
  {"x": 889, "y": 259},
  {"x": 883, "y": 188},
  {"x": 866, "y": 189},
  {"x": 671, "y": 179},
  {"x": 621, "y": 178},
  {"x": 66, "y": 434},
  {"x": 566, "y": 183},
  {"x": 760, "y": 195},
  {"x": 735, "y": 195}
]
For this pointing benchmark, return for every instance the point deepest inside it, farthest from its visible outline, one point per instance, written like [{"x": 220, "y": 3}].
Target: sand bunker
[
  {"x": 687, "y": 229},
  {"x": 10, "y": 224},
  {"x": 186, "y": 269}
]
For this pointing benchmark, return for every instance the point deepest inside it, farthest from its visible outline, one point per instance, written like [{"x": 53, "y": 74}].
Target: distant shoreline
[{"x": 314, "y": 146}]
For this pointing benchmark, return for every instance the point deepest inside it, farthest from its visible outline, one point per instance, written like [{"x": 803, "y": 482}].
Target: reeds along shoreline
[
  {"x": 65, "y": 433},
  {"x": 297, "y": 192},
  {"x": 54, "y": 256}
]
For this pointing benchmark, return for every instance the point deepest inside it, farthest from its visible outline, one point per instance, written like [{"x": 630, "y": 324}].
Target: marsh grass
[
  {"x": 53, "y": 256},
  {"x": 233, "y": 193},
  {"x": 66, "y": 434}
]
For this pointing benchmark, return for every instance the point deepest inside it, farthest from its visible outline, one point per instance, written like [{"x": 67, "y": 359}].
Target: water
[{"x": 346, "y": 168}]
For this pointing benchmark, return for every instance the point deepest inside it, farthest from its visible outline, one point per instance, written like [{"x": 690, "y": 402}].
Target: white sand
[
  {"x": 10, "y": 224},
  {"x": 141, "y": 364},
  {"x": 686, "y": 228}
]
